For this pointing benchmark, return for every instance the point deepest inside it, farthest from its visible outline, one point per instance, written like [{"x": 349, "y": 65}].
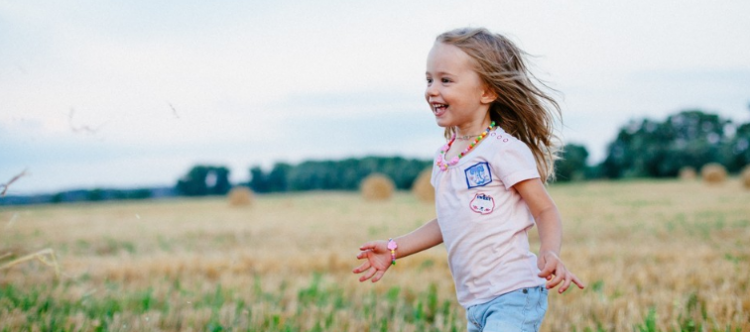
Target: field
[{"x": 657, "y": 256}]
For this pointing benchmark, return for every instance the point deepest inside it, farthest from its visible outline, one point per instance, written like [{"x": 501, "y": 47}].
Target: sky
[{"x": 126, "y": 94}]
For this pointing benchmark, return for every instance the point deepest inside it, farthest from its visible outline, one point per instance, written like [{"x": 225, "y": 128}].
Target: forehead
[{"x": 447, "y": 58}]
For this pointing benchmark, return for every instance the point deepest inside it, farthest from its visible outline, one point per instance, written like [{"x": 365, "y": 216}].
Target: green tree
[
  {"x": 258, "y": 180},
  {"x": 648, "y": 148},
  {"x": 335, "y": 175},
  {"x": 740, "y": 148},
  {"x": 204, "y": 180},
  {"x": 572, "y": 164},
  {"x": 277, "y": 178}
]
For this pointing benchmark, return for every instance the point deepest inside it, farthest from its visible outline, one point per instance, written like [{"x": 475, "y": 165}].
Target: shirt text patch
[{"x": 482, "y": 203}]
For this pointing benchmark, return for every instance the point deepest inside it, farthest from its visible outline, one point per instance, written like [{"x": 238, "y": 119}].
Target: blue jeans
[{"x": 521, "y": 310}]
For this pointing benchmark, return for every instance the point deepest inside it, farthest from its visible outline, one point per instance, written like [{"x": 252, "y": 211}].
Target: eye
[
  {"x": 445, "y": 80},
  {"x": 429, "y": 81}
]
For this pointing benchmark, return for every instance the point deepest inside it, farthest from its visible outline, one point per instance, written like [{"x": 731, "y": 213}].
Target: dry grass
[
  {"x": 677, "y": 248},
  {"x": 45, "y": 256},
  {"x": 4, "y": 186}
]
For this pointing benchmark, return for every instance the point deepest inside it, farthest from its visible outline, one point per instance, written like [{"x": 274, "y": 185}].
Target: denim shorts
[{"x": 521, "y": 310}]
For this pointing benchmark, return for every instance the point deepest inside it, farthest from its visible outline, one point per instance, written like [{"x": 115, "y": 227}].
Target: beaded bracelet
[{"x": 392, "y": 246}]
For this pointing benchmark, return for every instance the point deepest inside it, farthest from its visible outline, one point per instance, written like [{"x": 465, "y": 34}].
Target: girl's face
[{"x": 455, "y": 92}]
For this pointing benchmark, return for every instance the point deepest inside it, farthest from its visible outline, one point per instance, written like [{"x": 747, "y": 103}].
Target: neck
[{"x": 473, "y": 128}]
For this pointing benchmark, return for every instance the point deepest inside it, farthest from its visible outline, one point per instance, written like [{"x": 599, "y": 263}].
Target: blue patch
[{"x": 478, "y": 175}]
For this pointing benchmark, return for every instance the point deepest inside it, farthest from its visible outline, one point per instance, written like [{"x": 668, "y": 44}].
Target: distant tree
[
  {"x": 277, "y": 178},
  {"x": 335, "y": 175},
  {"x": 57, "y": 198},
  {"x": 646, "y": 148},
  {"x": 204, "y": 180},
  {"x": 95, "y": 195},
  {"x": 572, "y": 164},
  {"x": 142, "y": 193},
  {"x": 739, "y": 147},
  {"x": 221, "y": 184},
  {"x": 258, "y": 180}
]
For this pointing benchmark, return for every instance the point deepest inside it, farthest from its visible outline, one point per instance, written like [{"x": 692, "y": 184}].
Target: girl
[{"x": 489, "y": 184}]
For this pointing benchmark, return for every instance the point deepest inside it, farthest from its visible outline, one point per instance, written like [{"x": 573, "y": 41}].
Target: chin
[{"x": 441, "y": 122}]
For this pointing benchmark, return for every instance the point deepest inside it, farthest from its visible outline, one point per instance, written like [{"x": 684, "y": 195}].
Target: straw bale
[
  {"x": 240, "y": 196},
  {"x": 688, "y": 173},
  {"x": 745, "y": 177},
  {"x": 713, "y": 173},
  {"x": 422, "y": 188},
  {"x": 377, "y": 187}
]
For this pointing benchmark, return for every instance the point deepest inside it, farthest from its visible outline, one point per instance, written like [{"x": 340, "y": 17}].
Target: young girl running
[{"x": 489, "y": 184}]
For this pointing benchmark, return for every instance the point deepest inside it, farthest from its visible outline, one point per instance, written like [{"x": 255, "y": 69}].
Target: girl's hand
[
  {"x": 555, "y": 272},
  {"x": 377, "y": 260}
]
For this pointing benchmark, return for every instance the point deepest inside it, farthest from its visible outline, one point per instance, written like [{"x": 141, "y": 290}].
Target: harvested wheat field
[{"x": 657, "y": 256}]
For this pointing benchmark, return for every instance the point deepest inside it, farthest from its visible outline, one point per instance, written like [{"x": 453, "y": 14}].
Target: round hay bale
[
  {"x": 377, "y": 187},
  {"x": 240, "y": 196},
  {"x": 745, "y": 177},
  {"x": 422, "y": 188},
  {"x": 713, "y": 173},
  {"x": 688, "y": 173}
]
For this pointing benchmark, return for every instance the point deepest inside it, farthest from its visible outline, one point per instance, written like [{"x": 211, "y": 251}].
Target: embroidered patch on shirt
[
  {"x": 482, "y": 203},
  {"x": 478, "y": 175}
]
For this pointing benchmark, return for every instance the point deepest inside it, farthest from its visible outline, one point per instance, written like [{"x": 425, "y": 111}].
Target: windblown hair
[{"x": 522, "y": 109}]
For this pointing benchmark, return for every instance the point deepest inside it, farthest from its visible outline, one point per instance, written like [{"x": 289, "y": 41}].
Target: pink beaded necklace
[{"x": 443, "y": 164}]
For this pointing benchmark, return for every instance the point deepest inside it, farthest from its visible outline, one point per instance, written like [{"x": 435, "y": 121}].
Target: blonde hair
[{"x": 522, "y": 109}]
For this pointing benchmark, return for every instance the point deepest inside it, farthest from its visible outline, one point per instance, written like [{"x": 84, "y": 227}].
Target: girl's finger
[
  {"x": 363, "y": 254},
  {"x": 547, "y": 271},
  {"x": 365, "y": 265},
  {"x": 559, "y": 276},
  {"x": 378, "y": 276},
  {"x": 368, "y": 274},
  {"x": 578, "y": 282},
  {"x": 565, "y": 284},
  {"x": 368, "y": 246}
]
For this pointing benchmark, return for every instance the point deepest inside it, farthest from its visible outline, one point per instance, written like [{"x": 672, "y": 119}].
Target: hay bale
[
  {"x": 688, "y": 173},
  {"x": 422, "y": 188},
  {"x": 240, "y": 196},
  {"x": 377, "y": 187},
  {"x": 745, "y": 177},
  {"x": 713, "y": 173}
]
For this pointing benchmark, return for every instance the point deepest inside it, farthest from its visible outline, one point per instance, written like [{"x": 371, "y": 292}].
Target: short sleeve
[{"x": 515, "y": 163}]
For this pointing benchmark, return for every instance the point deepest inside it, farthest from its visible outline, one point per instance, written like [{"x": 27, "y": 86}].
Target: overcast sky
[{"x": 134, "y": 93}]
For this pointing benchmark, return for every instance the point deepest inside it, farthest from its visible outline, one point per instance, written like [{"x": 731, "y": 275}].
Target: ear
[{"x": 488, "y": 95}]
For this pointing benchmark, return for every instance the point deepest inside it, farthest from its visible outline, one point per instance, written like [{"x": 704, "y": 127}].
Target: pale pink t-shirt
[{"x": 484, "y": 221}]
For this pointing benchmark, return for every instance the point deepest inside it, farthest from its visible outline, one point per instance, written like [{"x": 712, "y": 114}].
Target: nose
[{"x": 431, "y": 91}]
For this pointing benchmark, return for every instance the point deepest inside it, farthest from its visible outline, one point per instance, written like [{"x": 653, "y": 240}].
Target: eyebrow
[{"x": 440, "y": 73}]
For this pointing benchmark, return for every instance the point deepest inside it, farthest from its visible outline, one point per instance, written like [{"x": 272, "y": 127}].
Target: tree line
[{"x": 642, "y": 148}]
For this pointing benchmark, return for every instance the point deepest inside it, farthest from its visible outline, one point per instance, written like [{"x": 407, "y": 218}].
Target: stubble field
[{"x": 657, "y": 256}]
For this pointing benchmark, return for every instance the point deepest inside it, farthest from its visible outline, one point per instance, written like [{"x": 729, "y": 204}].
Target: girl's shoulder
[{"x": 504, "y": 141}]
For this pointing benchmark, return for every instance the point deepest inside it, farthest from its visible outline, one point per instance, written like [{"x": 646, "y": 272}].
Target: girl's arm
[
  {"x": 549, "y": 223},
  {"x": 378, "y": 257}
]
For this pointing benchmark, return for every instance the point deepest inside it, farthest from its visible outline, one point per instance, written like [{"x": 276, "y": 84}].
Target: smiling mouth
[{"x": 439, "y": 109}]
